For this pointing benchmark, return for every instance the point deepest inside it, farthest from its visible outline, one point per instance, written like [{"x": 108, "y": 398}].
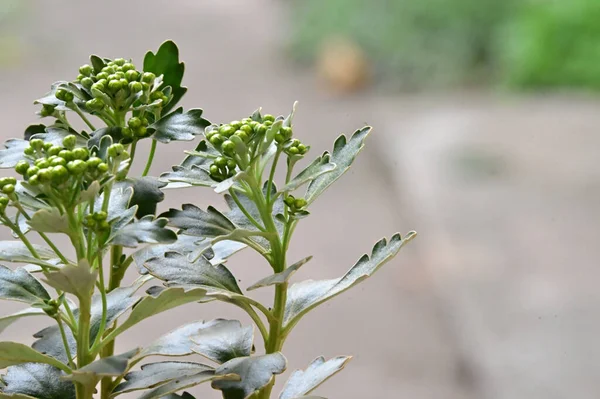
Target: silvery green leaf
[
  {"x": 176, "y": 269},
  {"x": 13, "y": 152},
  {"x": 280, "y": 278},
  {"x": 13, "y": 353},
  {"x": 223, "y": 340},
  {"x": 150, "y": 306},
  {"x": 192, "y": 170},
  {"x": 119, "y": 212},
  {"x": 255, "y": 372},
  {"x": 344, "y": 153},
  {"x": 153, "y": 375},
  {"x": 17, "y": 252},
  {"x": 37, "y": 381},
  {"x": 287, "y": 122},
  {"x": 56, "y": 134},
  {"x": 194, "y": 221},
  {"x": 306, "y": 295},
  {"x": 318, "y": 167},
  {"x": 146, "y": 230},
  {"x": 147, "y": 194},
  {"x": 49, "y": 221},
  {"x": 6, "y": 320},
  {"x": 28, "y": 196},
  {"x": 219, "y": 252},
  {"x": 19, "y": 285},
  {"x": 112, "y": 366},
  {"x": 303, "y": 382},
  {"x": 77, "y": 280},
  {"x": 163, "y": 391},
  {"x": 89, "y": 193},
  {"x": 183, "y": 245},
  {"x": 179, "y": 125}
]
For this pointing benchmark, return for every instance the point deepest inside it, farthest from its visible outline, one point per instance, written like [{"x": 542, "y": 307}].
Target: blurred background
[{"x": 486, "y": 142}]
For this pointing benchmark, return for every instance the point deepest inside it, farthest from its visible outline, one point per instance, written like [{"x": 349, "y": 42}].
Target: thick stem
[{"x": 83, "y": 345}]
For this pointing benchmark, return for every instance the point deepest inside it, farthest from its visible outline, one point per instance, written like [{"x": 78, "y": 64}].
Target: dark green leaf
[
  {"x": 318, "y": 167},
  {"x": 194, "y": 221},
  {"x": 97, "y": 62},
  {"x": 49, "y": 221},
  {"x": 19, "y": 285},
  {"x": 39, "y": 381},
  {"x": 280, "y": 278},
  {"x": 5, "y": 321},
  {"x": 78, "y": 280},
  {"x": 166, "y": 62},
  {"x": 114, "y": 132},
  {"x": 50, "y": 99},
  {"x": 224, "y": 340},
  {"x": 145, "y": 230},
  {"x": 146, "y": 194},
  {"x": 13, "y": 152},
  {"x": 255, "y": 373},
  {"x": 13, "y": 353},
  {"x": 155, "y": 374},
  {"x": 16, "y": 251},
  {"x": 179, "y": 125},
  {"x": 303, "y": 382},
  {"x": 306, "y": 295},
  {"x": 343, "y": 155},
  {"x": 33, "y": 129},
  {"x": 112, "y": 366}
]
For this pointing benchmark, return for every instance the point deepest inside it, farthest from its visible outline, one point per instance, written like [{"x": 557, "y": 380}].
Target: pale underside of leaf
[{"x": 303, "y": 382}]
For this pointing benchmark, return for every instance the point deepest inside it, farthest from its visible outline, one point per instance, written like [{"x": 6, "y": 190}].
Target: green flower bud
[
  {"x": 80, "y": 153},
  {"x": 86, "y": 70},
  {"x": 103, "y": 225},
  {"x": 69, "y": 142},
  {"x": 299, "y": 203},
  {"x": 115, "y": 150},
  {"x": 93, "y": 162},
  {"x": 140, "y": 131},
  {"x": 134, "y": 122},
  {"x": 127, "y": 132},
  {"x": 59, "y": 174},
  {"x": 8, "y": 189},
  {"x": 242, "y": 135},
  {"x": 32, "y": 171},
  {"x": 54, "y": 150},
  {"x": 302, "y": 148},
  {"x": 260, "y": 129},
  {"x": 100, "y": 215},
  {"x": 231, "y": 164},
  {"x": 79, "y": 77},
  {"x": 42, "y": 163},
  {"x": 44, "y": 175},
  {"x": 247, "y": 129},
  {"x": 102, "y": 76},
  {"x": 119, "y": 61},
  {"x": 148, "y": 77},
  {"x": 236, "y": 124},
  {"x": 145, "y": 86},
  {"x": 226, "y": 130},
  {"x": 109, "y": 69},
  {"x": 21, "y": 167},
  {"x": 289, "y": 200},
  {"x": 58, "y": 161},
  {"x": 279, "y": 138},
  {"x": 102, "y": 168},
  {"x": 8, "y": 180},
  {"x": 210, "y": 133},
  {"x": 89, "y": 221},
  {"x": 87, "y": 82},
  {"x": 77, "y": 167},
  {"x": 267, "y": 123},
  {"x": 268, "y": 118},
  {"x": 36, "y": 144},
  {"x": 95, "y": 104},
  {"x": 28, "y": 151},
  {"x": 114, "y": 85},
  {"x": 216, "y": 140},
  {"x": 47, "y": 146},
  {"x": 47, "y": 110},
  {"x": 221, "y": 162},
  {"x": 253, "y": 124},
  {"x": 124, "y": 83},
  {"x": 228, "y": 147},
  {"x": 293, "y": 150},
  {"x": 214, "y": 169},
  {"x": 286, "y": 132},
  {"x": 66, "y": 154},
  {"x": 246, "y": 121},
  {"x": 118, "y": 75},
  {"x": 135, "y": 87},
  {"x": 34, "y": 180},
  {"x": 128, "y": 66},
  {"x": 64, "y": 95}
]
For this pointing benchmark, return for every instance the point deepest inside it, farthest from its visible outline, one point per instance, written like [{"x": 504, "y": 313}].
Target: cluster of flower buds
[
  {"x": 55, "y": 166},
  {"x": 3, "y": 204},
  {"x": 294, "y": 205},
  {"x": 136, "y": 128},
  {"x": 51, "y": 306},
  {"x": 97, "y": 221}
]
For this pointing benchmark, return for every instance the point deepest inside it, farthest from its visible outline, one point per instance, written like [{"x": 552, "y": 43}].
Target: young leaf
[
  {"x": 49, "y": 221},
  {"x": 280, "y": 278},
  {"x": 37, "y": 381},
  {"x": 145, "y": 230},
  {"x": 166, "y": 62},
  {"x": 112, "y": 366},
  {"x": 306, "y": 295},
  {"x": 13, "y": 353},
  {"x": 13, "y": 152},
  {"x": 182, "y": 383},
  {"x": 343, "y": 155},
  {"x": 255, "y": 373},
  {"x": 17, "y": 252},
  {"x": 19, "y": 285},
  {"x": 179, "y": 125},
  {"x": 318, "y": 167},
  {"x": 303, "y": 382},
  {"x": 223, "y": 341},
  {"x": 77, "y": 280},
  {"x": 190, "y": 171},
  {"x": 5, "y": 321},
  {"x": 194, "y": 221},
  {"x": 153, "y": 375}
]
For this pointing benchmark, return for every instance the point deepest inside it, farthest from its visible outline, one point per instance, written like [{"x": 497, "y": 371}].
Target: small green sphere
[
  {"x": 302, "y": 148},
  {"x": 293, "y": 150},
  {"x": 231, "y": 164},
  {"x": 93, "y": 162},
  {"x": 8, "y": 189},
  {"x": 58, "y": 161},
  {"x": 64, "y": 95},
  {"x": 226, "y": 130},
  {"x": 114, "y": 85},
  {"x": 80, "y": 153},
  {"x": 100, "y": 216},
  {"x": 221, "y": 162},
  {"x": 102, "y": 168},
  {"x": 134, "y": 122},
  {"x": 279, "y": 138},
  {"x": 268, "y": 117},
  {"x": 289, "y": 200},
  {"x": 21, "y": 167},
  {"x": 141, "y": 131},
  {"x": 128, "y": 66},
  {"x": 77, "y": 167},
  {"x": 228, "y": 147},
  {"x": 28, "y": 151},
  {"x": 135, "y": 87},
  {"x": 44, "y": 175},
  {"x": 101, "y": 76},
  {"x": 299, "y": 203},
  {"x": 236, "y": 124},
  {"x": 119, "y": 61},
  {"x": 216, "y": 140},
  {"x": 95, "y": 104},
  {"x": 87, "y": 82},
  {"x": 247, "y": 129},
  {"x": 4, "y": 201},
  {"x": 214, "y": 169},
  {"x": 127, "y": 132},
  {"x": 69, "y": 142},
  {"x": 37, "y": 144},
  {"x": 54, "y": 150},
  {"x": 242, "y": 135},
  {"x": 66, "y": 154},
  {"x": 59, "y": 174},
  {"x": 246, "y": 121},
  {"x": 86, "y": 70},
  {"x": 286, "y": 132},
  {"x": 34, "y": 180},
  {"x": 32, "y": 171},
  {"x": 42, "y": 163},
  {"x": 148, "y": 77}
]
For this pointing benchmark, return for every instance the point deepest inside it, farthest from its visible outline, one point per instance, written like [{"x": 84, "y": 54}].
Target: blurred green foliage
[
  {"x": 554, "y": 43},
  {"x": 441, "y": 43}
]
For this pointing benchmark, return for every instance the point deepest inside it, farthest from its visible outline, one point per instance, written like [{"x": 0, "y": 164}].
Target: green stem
[
  {"x": 150, "y": 158},
  {"x": 21, "y": 236},
  {"x": 272, "y": 174},
  {"x": 65, "y": 342},
  {"x": 244, "y": 211},
  {"x": 102, "y": 287},
  {"x": 83, "y": 117}
]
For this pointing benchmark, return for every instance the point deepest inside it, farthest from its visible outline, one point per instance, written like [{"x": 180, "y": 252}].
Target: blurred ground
[{"x": 495, "y": 299}]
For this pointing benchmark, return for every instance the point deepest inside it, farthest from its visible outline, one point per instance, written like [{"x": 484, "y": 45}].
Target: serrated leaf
[
  {"x": 306, "y": 295},
  {"x": 89, "y": 193},
  {"x": 49, "y": 221},
  {"x": 194, "y": 221},
  {"x": 280, "y": 278},
  {"x": 6, "y": 320},
  {"x": 166, "y": 300},
  {"x": 224, "y": 340},
  {"x": 13, "y": 152},
  {"x": 176, "y": 269},
  {"x": 119, "y": 212},
  {"x": 111, "y": 366},
  {"x": 343, "y": 155},
  {"x": 78, "y": 280},
  {"x": 13, "y": 353},
  {"x": 303, "y": 382},
  {"x": 145, "y": 230},
  {"x": 38, "y": 381},
  {"x": 17, "y": 252},
  {"x": 19, "y": 285},
  {"x": 166, "y": 63},
  {"x": 318, "y": 167},
  {"x": 255, "y": 372},
  {"x": 50, "y": 99},
  {"x": 179, "y": 125},
  {"x": 155, "y": 374},
  {"x": 33, "y": 129},
  {"x": 190, "y": 171},
  {"x": 146, "y": 194},
  {"x": 182, "y": 383},
  {"x": 55, "y": 136},
  {"x": 115, "y": 132}
]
